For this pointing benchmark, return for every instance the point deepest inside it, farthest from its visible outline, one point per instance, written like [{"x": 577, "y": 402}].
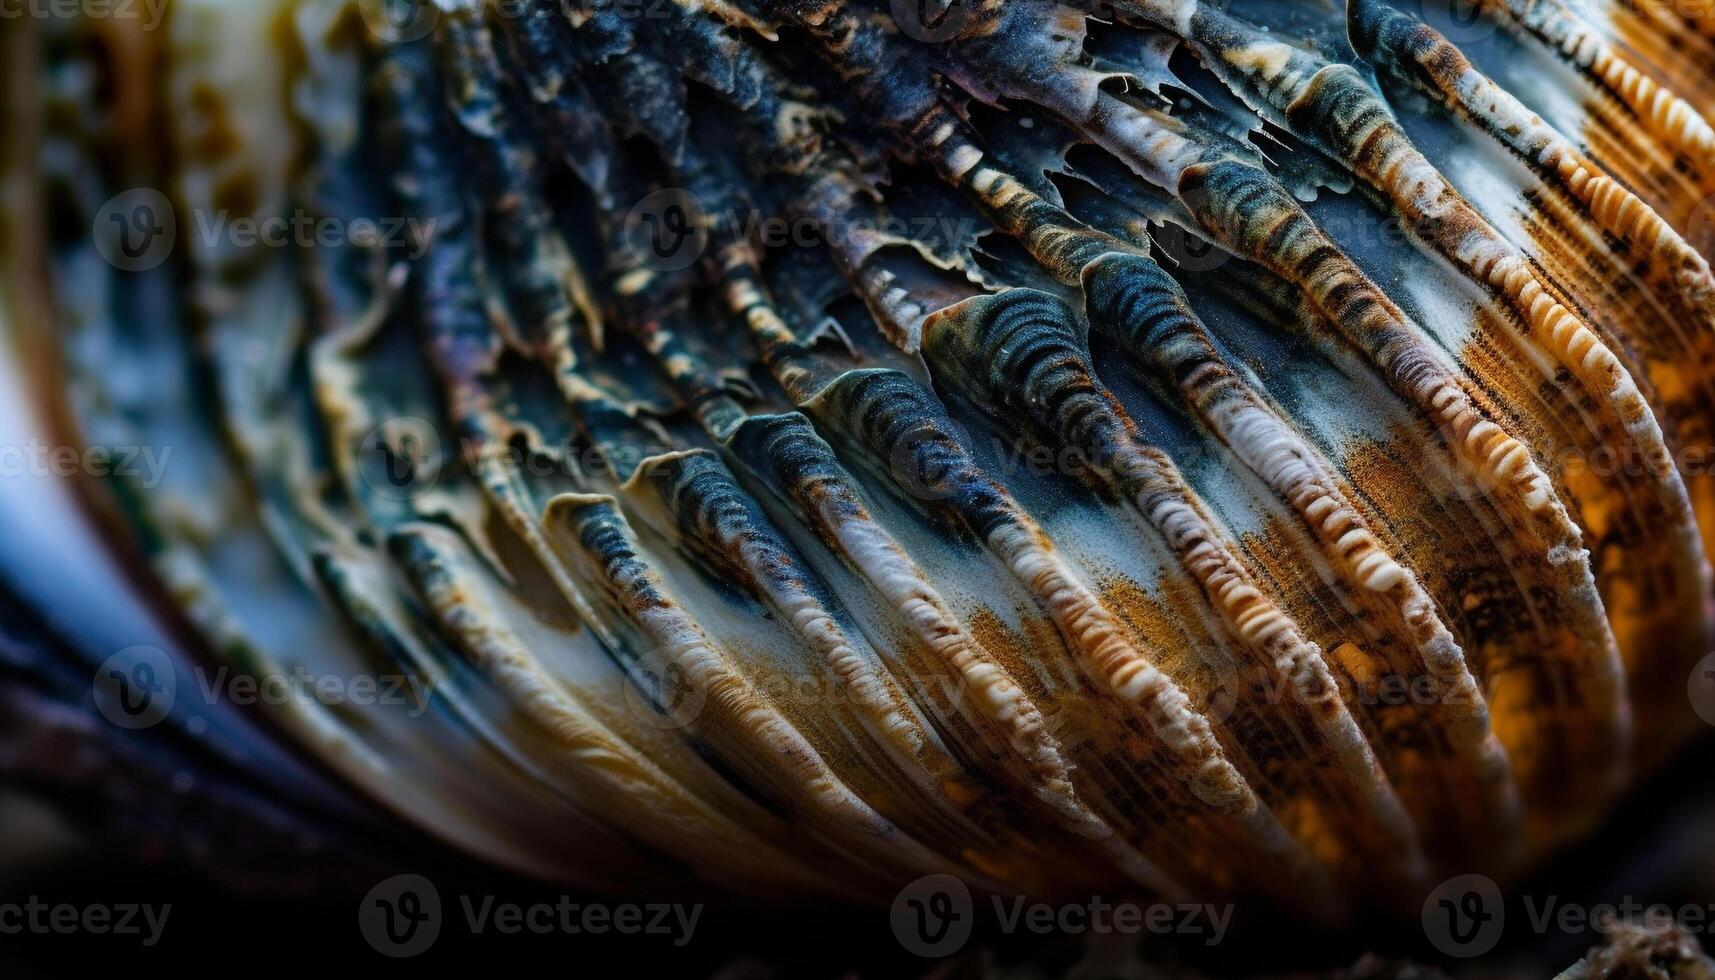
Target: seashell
[{"x": 1245, "y": 451}]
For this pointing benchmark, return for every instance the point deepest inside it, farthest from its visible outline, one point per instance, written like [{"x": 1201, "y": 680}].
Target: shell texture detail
[{"x": 1212, "y": 449}]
